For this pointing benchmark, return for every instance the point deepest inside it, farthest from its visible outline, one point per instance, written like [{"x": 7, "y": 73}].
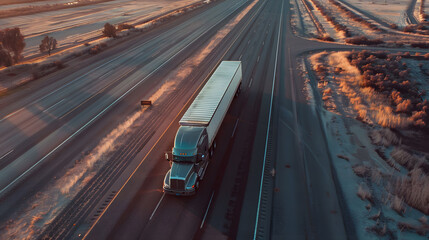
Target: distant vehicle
[{"x": 195, "y": 140}]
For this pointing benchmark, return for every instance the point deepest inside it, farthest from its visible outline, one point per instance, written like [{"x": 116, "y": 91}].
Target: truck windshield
[{"x": 182, "y": 159}]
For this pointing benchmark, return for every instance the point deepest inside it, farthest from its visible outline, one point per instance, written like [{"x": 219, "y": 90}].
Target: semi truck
[{"x": 195, "y": 139}]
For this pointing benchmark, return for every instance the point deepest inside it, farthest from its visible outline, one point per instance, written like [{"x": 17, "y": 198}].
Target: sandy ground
[
  {"x": 391, "y": 11},
  {"x": 41, "y": 3},
  {"x": 76, "y": 25},
  {"x": 362, "y": 145}
]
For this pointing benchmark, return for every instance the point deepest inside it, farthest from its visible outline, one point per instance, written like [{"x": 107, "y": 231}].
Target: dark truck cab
[{"x": 189, "y": 161}]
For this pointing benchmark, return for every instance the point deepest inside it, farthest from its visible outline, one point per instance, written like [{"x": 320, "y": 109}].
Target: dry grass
[
  {"x": 361, "y": 170},
  {"x": 364, "y": 193},
  {"x": 406, "y": 159},
  {"x": 397, "y": 204},
  {"x": 45, "y": 8},
  {"x": 414, "y": 189},
  {"x": 384, "y": 137}
]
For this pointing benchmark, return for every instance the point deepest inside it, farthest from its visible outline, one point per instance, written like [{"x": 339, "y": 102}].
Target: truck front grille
[{"x": 177, "y": 184}]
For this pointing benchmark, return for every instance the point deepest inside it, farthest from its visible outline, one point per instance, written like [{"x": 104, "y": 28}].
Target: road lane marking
[
  {"x": 96, "y": 94},
  {"x": 235, "y": 127},
  {"x": 157, "y": 206},
  {"x": 248, "y": 42},
  {"x": 168, "y": 127},
  {"x": 53, "y": 105},
  {"x": 250, "y": 83},
  {"x": 207, "y": 210},
  {"x": 109, "y": 106},
  {"x": 268, "y": 128},
  {"x": 11, "y": 114},
  {"x": 263, "y": 43},
  {"x": 6, "y": 154},
  {"x": 240, "y": 57},
  {"x": 258, "y": 59}
]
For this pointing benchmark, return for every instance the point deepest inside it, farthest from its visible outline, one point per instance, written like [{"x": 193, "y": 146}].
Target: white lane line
[
  {"x": 263, "y": 43},
  {"x": 162, "y": 135},
  {"x": 108, "y": 107},
  {"x": 248, "y": 42},
  {"x": 11, "y": 114},
  {"x": 268, "y": 128},
  {"x": 250, "y": 83},
  {"x": 240, "y": 57},
  {"x": 258, "y": 59},
  {"x": 157, "y": 206},
  {"x": 53, "y": 105},
  {"x": 6, "y": 154},
  {"x": 235, "y": 127},
  {"x": 208, "y": 207}
]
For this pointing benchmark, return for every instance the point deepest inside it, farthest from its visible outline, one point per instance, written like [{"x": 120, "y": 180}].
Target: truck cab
[{"x": 189, "y": 161}]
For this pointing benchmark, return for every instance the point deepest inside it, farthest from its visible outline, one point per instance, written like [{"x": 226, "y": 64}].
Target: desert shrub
[
  {"x": 384, "y": 137},
  {"x": 414, "y": 189},
  {"x": 420, "y": 45},
  {"x": 48, "y": 44},
  {"x": 397, "y": 204},
  {"x": 326, "y": 38},
  {"x": 362, "y": 40},
  {"x": 361, "y": 170},
  {"x": 378, "y": 229},
  {"x": 405, "y": 158},
  {"x": 5, "y": 58},
  {"x": 109, "y": 30},
  {"x": 410, "y": 28},
  {"x": 59, "y": 64},
  {"x": 389, "y": 76},
  {"x": 125, "y": 26},
  {"x": 94, "y": 50},
  {"x": 364, "y": 193},
  {"x": 12, "y": 40}
]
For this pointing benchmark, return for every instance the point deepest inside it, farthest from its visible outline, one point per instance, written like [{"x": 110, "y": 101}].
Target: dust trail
[{"x": 46, "y": 205}]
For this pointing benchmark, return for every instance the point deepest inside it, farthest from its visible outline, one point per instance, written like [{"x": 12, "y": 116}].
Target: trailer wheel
[
  {"x": 211, "y": 153},
  {"x": 237, "y": 93}
]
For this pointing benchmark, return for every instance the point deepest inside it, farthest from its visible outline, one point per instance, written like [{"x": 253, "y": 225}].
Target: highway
[
  {"x": 49, "y": 125},
  {"x": 227, "y": 205}
]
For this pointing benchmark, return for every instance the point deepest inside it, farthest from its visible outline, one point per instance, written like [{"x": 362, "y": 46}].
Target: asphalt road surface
[
  {"x": 302, "y": 201},
  {"x": 271, "y": 174}
]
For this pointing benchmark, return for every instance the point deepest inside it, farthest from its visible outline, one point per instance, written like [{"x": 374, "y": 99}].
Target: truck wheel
[{"x": 197, "y": 185}]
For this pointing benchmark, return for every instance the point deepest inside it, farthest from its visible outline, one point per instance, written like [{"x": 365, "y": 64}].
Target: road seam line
[
  {"x": 235, "y": 127},
  {"x": 6, "y": 154},
  {"x": 268, "y": 128}
]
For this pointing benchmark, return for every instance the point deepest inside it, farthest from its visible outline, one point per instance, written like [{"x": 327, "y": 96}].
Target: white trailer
[
  {"x": 195, "y": 139},
  {"x": 210, "y": 106}
]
